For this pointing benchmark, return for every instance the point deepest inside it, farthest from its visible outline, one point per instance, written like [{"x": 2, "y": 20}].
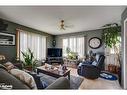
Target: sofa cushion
[
  {"x": 60, "y": 83},
  {"x": 24, "y": 77},
  {"x": 9, "y": 79},
  {"x": 9, "y": 65}
]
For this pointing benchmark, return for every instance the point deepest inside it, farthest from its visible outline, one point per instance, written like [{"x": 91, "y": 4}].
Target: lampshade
[{"x": 2, "y": 57}]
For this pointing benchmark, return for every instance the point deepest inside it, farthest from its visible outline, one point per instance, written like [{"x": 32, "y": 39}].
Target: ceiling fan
[{"x": 63, "y": 26}]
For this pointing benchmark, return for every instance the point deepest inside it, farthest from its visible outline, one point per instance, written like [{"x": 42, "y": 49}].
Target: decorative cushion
[
  {"x": 24, "y": 77},
  {"x": 9, "y": 66},
  {"x": 94, "y": 63}
]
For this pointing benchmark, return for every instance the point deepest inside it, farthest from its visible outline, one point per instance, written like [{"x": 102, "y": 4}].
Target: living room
[{"x": 56, "y": 45}]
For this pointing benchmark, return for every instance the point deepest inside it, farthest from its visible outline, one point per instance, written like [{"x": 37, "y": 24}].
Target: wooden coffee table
[{"x": 53, "y": 72}]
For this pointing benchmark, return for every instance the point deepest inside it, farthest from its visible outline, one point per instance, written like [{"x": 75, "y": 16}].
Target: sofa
[
  {"x": 9, "y": 80},
  {"x": 91, "y": 69}
]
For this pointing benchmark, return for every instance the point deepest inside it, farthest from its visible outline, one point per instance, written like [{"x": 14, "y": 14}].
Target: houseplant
[
  {"x": 29, "y": 60},
  {"x": 70, "y": 54},
  {"x": 111, "y": 39}
]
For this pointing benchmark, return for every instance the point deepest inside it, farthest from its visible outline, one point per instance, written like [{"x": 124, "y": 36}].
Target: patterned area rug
[
  {"x": 108, "y": 76},
  {"x": 75, "y": 82}
]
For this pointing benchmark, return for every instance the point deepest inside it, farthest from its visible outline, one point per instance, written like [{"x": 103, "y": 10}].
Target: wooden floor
[{"x": 96, "y": 84}]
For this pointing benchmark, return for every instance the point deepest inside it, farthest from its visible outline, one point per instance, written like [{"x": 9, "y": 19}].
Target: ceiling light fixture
[{"x": 62, "y": 26}]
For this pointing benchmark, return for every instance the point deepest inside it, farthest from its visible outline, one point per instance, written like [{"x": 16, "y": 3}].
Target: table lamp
[{"x": 2, "y": 59}]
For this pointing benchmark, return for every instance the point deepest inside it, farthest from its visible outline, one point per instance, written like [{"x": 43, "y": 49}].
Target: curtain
[
  {"x": 36, "y": 42},
  {"x": 76, "y": 44}
]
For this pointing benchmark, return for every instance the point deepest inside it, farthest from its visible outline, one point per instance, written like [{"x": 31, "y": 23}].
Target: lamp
[
  {"x": 2, "y": 57},
  {"x": 62, "y": 26}
]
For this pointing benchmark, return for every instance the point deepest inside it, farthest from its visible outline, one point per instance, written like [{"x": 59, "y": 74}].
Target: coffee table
[{"x": 53, "y": 72}]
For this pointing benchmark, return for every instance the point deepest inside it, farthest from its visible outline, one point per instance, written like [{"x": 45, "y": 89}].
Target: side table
[
  {"x": 37, "y": 78},
  {"x": 19, "y": 65}
]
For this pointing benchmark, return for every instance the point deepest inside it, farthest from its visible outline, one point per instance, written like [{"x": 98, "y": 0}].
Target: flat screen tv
[{"x": 54, "y": 52}]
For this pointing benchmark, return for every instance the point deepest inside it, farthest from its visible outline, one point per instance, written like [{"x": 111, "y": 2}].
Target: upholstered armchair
[{"x": 91, "y": 70}]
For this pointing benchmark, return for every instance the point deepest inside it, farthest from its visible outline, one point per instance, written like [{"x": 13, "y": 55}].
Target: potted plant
[
  {"x": 29, "y": 60},
  {"x": 70, "y": 54},
  {"x": 111, "y": 39}
]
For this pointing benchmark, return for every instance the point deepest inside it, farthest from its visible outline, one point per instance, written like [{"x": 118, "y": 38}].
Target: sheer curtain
[
  {"x": 36, "y": 42},
  {"x": 76, "y": 44}
]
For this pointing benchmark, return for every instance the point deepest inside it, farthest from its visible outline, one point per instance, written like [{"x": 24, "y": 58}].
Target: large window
[
  {"x": 76, "y": 44},
  {"x": 111, "y": 57},
  {"x": 36, "y": 42}
]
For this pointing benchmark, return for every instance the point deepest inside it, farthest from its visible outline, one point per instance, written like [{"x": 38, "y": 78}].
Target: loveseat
[{"x": 9, "y": 80}]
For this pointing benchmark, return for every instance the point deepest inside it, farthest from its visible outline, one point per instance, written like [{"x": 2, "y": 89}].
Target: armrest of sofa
[{"x": 60, "y": 83}]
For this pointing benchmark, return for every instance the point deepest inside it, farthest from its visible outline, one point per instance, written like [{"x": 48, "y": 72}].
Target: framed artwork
[{"x": 7, "y": 39}]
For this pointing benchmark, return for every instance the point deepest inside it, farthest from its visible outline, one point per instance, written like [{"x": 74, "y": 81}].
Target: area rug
[
  {"x": 108, "y": 76},
  {"x": 75, "y": 81}
]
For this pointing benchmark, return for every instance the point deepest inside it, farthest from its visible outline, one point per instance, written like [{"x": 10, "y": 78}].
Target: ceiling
[{"x": 77, "y": 18}]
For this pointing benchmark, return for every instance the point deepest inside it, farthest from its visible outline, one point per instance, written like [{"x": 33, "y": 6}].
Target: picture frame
[{"x": 7, "y": 39}]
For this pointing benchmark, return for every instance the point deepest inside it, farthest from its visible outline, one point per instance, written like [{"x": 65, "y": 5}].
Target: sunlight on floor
[{"x": 97, "y": 83}]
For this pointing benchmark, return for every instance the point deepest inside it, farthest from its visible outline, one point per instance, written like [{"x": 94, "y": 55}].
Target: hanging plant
[
  {"x": 110, "y": 34},
  {"x": 111, "y": 38}
]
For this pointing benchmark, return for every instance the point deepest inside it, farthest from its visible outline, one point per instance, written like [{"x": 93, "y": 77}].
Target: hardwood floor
[{"x": 96, "y": 84}]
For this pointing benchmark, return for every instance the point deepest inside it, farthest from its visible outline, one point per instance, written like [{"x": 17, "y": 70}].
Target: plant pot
[{"x": 29, "y": 68}]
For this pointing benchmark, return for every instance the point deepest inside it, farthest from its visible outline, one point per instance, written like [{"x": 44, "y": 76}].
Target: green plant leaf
[
  {"x": 110, "y": 34},
  {"x": 28, "y": 57}
]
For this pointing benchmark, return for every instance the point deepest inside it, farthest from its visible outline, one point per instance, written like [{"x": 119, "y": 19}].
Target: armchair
[{"x": 91, "y": 70}]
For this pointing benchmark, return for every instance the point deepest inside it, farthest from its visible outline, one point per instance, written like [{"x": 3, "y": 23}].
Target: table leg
[
  {"x": 37, "y": 71},
  {"x": 69, "y": 75}
]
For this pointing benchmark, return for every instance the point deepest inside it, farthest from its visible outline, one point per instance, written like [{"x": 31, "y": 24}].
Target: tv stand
[{"x": 51, "y": 60}]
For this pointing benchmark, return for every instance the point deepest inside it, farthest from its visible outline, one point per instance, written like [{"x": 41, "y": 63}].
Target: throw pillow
[
  {"x": 24, "y": 77},
  {"x": 94, "y": 63},
  {"x": 9, "y": 65}
]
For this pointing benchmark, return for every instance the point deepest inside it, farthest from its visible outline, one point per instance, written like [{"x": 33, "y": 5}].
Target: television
[{"x": 54, "y": 52}]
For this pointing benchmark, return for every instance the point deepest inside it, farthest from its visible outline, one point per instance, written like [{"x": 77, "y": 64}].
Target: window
[
  {"x": 36, "y": 42},
  {"x": 111, "y": 57},
  {"x": 76, "y": 44}
]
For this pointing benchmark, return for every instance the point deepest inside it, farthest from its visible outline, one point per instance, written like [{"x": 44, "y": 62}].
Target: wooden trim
[
  {"x": 17, "y": 44},
  {"x": 124, "y": 76}
]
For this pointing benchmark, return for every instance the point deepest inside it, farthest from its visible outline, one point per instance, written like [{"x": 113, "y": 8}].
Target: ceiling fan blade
[
  {"x": 62, "y": 28},
  {"x": 69, "y": 26}
]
